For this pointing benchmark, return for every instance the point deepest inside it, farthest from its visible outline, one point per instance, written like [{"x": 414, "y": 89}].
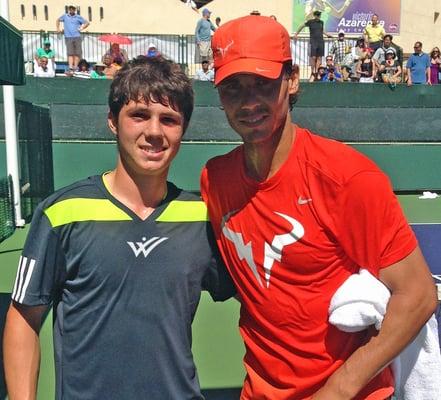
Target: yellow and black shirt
[{"x": 124, "y": 290}]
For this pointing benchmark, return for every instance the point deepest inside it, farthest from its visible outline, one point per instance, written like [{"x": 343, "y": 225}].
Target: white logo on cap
[{"x": 223, "y": 51}]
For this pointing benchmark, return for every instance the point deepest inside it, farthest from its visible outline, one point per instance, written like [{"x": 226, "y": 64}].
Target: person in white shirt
[
  {"x": 205, "y": 73},
  {"x": 44, "y": 68}
]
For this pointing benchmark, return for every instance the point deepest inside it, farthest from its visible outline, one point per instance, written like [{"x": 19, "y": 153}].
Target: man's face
[
  {"x": 341, "y": 38},
  {"x": 149, "y": 136},
  {"x": 374, "y": 20},
  {"x": 417, "y": 48},
  {"x": 72, "y": 11},
  {"x": 205, "y": 66},
  {"x": 43, "y": 62},
  {"x": 387, "y": 42},
  {"x": 329, "y": 62},
  {"x": 257, "y": 107}
]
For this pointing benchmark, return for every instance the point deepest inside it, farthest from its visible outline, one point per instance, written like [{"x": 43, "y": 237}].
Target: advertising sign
[{"x": 350, "y": 16}]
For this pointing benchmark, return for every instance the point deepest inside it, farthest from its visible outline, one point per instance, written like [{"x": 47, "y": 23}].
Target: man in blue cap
[{"x": 203, "y": 36}]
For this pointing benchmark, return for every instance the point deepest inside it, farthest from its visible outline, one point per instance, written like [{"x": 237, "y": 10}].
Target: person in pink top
[{"x": 435, "y": 66}]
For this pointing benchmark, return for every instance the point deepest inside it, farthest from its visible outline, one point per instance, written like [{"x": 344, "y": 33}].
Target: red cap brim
[{"x": 265, "y": 68}]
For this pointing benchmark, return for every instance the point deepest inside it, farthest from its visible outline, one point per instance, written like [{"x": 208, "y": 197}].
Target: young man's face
[
  {"x": 72, "y": 11},
  {"x": 149, "y": 136},
  {"x": 255, "y": 106}
]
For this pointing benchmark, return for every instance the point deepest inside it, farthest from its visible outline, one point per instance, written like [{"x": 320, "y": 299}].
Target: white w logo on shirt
[{"x": 146, "y": 246}]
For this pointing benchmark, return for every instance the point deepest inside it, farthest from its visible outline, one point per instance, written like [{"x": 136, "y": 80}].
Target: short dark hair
[
  {"x": 388, "y": 36},
  {"x": 153, "y": 79},
  {"x": 288, "y": 69},
  {"x": 71, "y": 7}
]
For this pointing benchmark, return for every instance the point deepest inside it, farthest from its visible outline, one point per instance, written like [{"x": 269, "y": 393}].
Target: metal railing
[{"x": 179, "y": 48}]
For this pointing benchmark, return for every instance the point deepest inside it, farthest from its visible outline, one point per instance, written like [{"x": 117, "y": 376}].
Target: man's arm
[
  {"x": 409, "y": 77},
  {"x": 196, "y": 32},
  {"x": 21, "y": 350},
  {"x": 84, "y": 25},
  {"x": 412, "y": 302},
  {"x": 428, "y": 79},
  {"x": 57, "y": 25},
  {"x": 301, "y": 27}
]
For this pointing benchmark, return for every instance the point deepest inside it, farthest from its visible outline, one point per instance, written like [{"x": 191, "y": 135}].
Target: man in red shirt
[{"x": 295, "y": 215}]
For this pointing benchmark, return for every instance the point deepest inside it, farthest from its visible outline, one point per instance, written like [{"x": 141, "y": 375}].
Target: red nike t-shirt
[{"x": 289, "y": 243}]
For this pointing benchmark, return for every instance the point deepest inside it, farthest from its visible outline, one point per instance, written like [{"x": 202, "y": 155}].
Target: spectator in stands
[
  {"x": 358, "y": 52},
  {"x": 117, "y": 53},
  {"x": 45, "y": 51},
  {"x": 418, "y": 66},
  {"x": 316, "y": 42},
  {"x": 435, "y": 66},
  {"x": 152, "y": 51},
  {"x": 217, "y": 21},
  {"x": 83, "y": 70},
  {"x": 203, "y": 35},
  {"x": 44, "y": 68},
  {"x": 332, "y": 75},
  {"x": 374, "y": 33},
  {"x": 380, "y": 54},
  {"x": 319, "y": 76},
  {"x": 73, "y": 24},
  {"x": 111, "y": 68},
  {"x": 390, "y": 69},
  {"x": 98, "y": 71},
  {"x": 346, "y": 73},
  {"x": 339, "y": 49},
  {"x": 205, "y": 73},
  {"x": 330, "y": 66},
  {"x": 255, "y": 12},
  {"x": 366, "y": 68}
]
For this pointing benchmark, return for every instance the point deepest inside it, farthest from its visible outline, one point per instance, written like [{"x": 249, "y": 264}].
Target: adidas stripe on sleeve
[{"x": 41, "y": 264}]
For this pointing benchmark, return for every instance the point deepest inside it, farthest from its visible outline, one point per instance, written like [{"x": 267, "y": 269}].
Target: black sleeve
[{"x": 217, "y": 280}]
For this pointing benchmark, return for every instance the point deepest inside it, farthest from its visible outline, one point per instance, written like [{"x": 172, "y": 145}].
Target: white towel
[{"x": 360, "y": 302}]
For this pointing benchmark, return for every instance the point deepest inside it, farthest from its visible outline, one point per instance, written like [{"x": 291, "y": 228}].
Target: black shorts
[{"x": 316, "y": 48}]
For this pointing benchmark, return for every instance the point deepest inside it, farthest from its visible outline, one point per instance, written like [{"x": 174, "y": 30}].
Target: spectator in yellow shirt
[{"x": 374, "y": 33}]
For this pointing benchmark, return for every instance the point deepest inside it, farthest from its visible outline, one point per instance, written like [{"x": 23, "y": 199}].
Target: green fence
[
  {"x": 34, "y": 130},
  {"x": 7, "y": 221}
]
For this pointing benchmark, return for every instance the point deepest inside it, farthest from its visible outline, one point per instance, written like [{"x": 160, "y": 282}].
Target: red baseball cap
[{"x": 252, "y": 44}]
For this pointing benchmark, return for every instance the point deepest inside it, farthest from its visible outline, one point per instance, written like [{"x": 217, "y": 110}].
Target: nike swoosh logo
[
  {"x": 303, "y": 201},
  {"x": 262, "y": 70}
]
